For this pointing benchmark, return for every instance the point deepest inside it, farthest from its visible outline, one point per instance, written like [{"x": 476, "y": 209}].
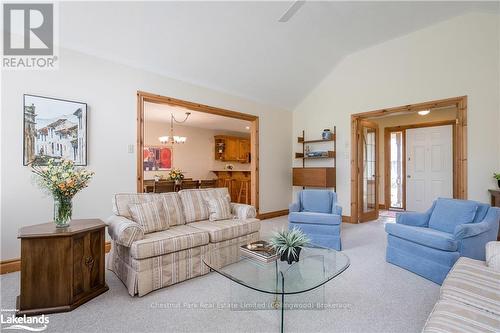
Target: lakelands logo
[
  {"x": 29, "y": 36},
  {"x": 32, "y": 324}
]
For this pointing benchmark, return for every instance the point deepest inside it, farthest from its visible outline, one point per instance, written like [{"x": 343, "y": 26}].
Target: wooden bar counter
[{"x": 233, "y": 180}]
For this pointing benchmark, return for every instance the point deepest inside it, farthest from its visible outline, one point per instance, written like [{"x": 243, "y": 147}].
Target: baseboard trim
[
  {"x": 270, "y": 215},
  {"x": 347, "y": 219},
  {"x": 14, "y": 265}
]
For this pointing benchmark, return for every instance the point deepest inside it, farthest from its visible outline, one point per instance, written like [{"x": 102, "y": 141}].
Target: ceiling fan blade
[{"x": 294, "y": 8}]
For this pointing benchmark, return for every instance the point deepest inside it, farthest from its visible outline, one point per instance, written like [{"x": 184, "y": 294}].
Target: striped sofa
[
  {"x": 470, "y": 296},
  {"x": 148, "y": 261}
]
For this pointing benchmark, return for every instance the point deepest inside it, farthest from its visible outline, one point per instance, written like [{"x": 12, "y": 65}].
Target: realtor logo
[{"x": 28, "y": 36}]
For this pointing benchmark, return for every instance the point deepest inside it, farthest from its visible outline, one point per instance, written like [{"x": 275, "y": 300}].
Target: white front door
[{"x": 429, "y": 166}]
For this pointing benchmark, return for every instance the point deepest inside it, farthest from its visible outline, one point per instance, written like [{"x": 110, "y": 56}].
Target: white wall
[
  {"x": 196, "y": 157},
  {"x": 110, "y": 91},
  {"x": 454, "y": 58}
]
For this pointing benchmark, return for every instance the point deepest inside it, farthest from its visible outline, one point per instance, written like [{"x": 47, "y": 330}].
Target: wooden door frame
[
  {"x": 387, "y": 155},
  {"x": 374, "y": 215},
  {"x": 143, "y": 97},
  {"x": 460, "y": 151}
]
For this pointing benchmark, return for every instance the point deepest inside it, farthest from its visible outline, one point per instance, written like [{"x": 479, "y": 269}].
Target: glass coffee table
[{"x": 317, "y": 266}]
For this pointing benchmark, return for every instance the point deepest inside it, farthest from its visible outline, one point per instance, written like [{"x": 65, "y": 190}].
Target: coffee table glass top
[{"x": 316, "y": 266}]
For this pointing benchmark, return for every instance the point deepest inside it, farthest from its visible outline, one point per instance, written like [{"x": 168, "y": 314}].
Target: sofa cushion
[
  {"x": 219, "y": 207},
  {"x": 448, "y": 213},
  {"x": 319, "y": 201},
  {"x": 150, "y": 215},
  {"x": 454, "y": 317},
  {"x": 173, "y": 206},
  {"x": 424, "y": 236},
  {"x": 227, "y": 229},
  {"x": 314, "y": 218},
  {"x": 174, "y": 239},
  {"x": 193, "y": 202},
  {"x": 472, "y": 282}
]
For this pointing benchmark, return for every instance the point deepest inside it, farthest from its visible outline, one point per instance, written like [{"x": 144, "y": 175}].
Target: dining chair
[
  {"x": 208, "y": 183},
  {"x": 163, "y": 186},
  {"x": 189, "y": 184}
]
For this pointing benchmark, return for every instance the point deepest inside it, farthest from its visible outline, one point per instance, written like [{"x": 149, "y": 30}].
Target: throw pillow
[
  {"x": 449, "y": 213},
  {"x": 493, "y": 255},
  {"x": 219, "y": 206},
  {"x": 150, "y": 215}
]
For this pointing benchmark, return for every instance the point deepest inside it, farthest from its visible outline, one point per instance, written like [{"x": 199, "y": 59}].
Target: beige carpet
[{"x": 371, "y": 296}]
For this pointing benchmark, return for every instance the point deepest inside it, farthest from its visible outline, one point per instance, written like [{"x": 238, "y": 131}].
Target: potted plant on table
[
  {"x": 176, "y": 175},
  {"x": 62, "y": 179},
  {"x": 288, "y": 243},
  {"x": 497, "y": 177}
]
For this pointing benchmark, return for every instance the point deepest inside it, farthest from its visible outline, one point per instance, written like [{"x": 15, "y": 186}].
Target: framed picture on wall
[
  {"x": 54, "y": 128},
  {"x": 157, "y": 158}
]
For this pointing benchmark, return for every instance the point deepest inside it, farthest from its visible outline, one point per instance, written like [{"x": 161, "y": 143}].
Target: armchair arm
[
  {"x": 124, "y": 231},
  {"x": 470, "y": 229},
  {"x": 294, "y": 207},
  {"x": 337, "y": 210},
  {"x": 413, "y": 219},
  {"x": 242, "y": 211}
]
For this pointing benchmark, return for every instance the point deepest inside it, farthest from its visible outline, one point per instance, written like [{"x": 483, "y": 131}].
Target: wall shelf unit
[{"x": 311, "y": 176}]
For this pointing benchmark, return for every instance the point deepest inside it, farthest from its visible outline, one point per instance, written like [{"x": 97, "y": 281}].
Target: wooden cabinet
[
  {"x": 244, "y": 150},
  {"x": 61, "y": 268},
  {"x": 495, "y": 202},
  {"x": 314, "y": 177},
  {"x": 232, "y": 149}
]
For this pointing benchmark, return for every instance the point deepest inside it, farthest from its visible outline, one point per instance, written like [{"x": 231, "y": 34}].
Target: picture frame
[
  {"x": 157, "y": 158},
  {"x": 54, "y": 128}
]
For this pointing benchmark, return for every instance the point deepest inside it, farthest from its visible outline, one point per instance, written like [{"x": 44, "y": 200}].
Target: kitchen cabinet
[{"x": 232, "y": 149}]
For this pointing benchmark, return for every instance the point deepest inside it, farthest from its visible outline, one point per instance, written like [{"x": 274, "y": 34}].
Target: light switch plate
[{"x": 131, "y": 149}]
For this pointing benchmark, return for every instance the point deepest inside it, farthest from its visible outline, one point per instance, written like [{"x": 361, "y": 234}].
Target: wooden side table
[
  {"x": 495, "y": 202},
  {"x": 61, "y": 268}
]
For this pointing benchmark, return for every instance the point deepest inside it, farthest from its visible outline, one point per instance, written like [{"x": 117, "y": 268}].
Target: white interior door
[{"x": 429, "y": 166}]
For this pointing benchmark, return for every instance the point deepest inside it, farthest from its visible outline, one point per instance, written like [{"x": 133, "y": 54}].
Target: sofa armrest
[
  {"x": 413, "y": 219},
  {"x": 294, "y": 207},
  {"x": 337, "y": 210},
  {"x": 124, "y": 231},
  {"x": 242, "y": 211},
  {"x": 493, "y": 255},
  {"x": 470, "y": 229}
]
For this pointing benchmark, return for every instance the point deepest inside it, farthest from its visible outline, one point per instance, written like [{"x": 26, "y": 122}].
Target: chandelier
[{"x": 173, "y": 139}]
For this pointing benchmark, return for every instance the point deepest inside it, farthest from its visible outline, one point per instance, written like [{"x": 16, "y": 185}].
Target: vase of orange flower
[{"x": 62, "y": 179}]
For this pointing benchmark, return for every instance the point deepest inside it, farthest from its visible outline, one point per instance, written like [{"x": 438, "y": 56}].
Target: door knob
[{"x": 408, "y": 176}]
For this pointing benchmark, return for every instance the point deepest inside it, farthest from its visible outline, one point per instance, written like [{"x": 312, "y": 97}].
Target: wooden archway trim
[
  {"x": 143, "y": 97},
  {"x": 460, "y": 149}
]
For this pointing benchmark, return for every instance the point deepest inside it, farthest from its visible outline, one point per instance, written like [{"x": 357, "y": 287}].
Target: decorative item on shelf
[
  {"x": 158, "y": 178},
  {"x": 176, "y": 175},
  {"x": 320, "y": 153},
  {"x": 288, "y": 243},
  {"x": 62, "y": 179},
  {"x": 497, "y": 177},
  {"x": 229, "y": 167},
  {"x": 327, "y": 134}
]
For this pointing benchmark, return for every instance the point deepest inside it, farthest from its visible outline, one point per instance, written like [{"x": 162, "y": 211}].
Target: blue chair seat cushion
[
  {"x": 424, "y": 236},
  {"x": 314, "y": 218}
]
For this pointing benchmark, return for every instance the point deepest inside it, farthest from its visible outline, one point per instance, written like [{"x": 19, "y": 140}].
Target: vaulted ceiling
[{"x": 240, "y": 47}]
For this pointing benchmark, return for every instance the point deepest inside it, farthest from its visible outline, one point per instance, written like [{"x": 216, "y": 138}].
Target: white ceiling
[
  {"x": 154, "y": 112},
  {"x": 240, "y": 47}
]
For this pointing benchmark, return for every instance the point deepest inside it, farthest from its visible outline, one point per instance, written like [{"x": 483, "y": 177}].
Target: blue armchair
[
  {"x": 317, "y": 214},
  {"x": 429, "y": 243}
]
